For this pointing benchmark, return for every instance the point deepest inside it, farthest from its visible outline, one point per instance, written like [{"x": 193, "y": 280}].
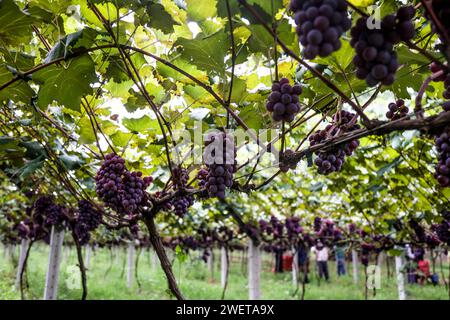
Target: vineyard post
[
  {"x": 210, "y": 262},
  {"x": 130, "y": 264},
  {"x": 223, "y": 266},
  {"x": 54, "y": 259},
  {"x": 23, "y": 252},
  {"x": 400, "y": 278},
  {"x": 355, "y": 266},
  {"x": 254, "y": 270},
  {"x": 294, "y": 267}
]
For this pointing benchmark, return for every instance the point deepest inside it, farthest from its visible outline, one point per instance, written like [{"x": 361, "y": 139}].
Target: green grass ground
[{"x": 107, "y": 280}]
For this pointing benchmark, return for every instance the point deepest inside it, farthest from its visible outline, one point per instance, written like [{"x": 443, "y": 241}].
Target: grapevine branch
[
  {"x": 157, "y": 244},
  {"x": 233, "y": 58},
  {"x": 430, "y": 125},
  {"x": 80, "y": 265}
]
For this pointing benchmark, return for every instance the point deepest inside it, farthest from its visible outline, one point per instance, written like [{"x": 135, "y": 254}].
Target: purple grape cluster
[
  {"x": 88, "y": 219},
  {"x": 265, "y": 227},
  {"x": 446, "y": 94},
  {"x": 283, "y": 102},
  {"x": 442, "y": 231},
  {"x": 445, "y": 77},
  {"x": 442, "y": 171},
  {"x": 118, "y": 188},
  {"x": 326, "y": 230},
  {"x": 445, "y": 215},
  {"x": 47, "y": 213},
  {"x": 88, "y": 215},
  {"x": 432, "y": 240},
  {"x": 293, "y": 227},
  {"x": 206, "y": 236},
  {"x": 167, "y": 205},
  {"x": 190, "y": 242},
  {"x": 25, "y": 229},
  {"x": 220, "y": 158},
  {"x": 332, "y": 160},
  {"x": 82, "y": 233},
  {"x": 375, "y": 59},
  {"x": 419, "y": 231},
  {"x": 182, "y": 204},
  {"x": 320, "y": 24},
  {"x": 277, "y": 227},
  {"x": 397, "y": 110},
  {"x": 132, "y": 192},
  {"x": 202, "y": 176},
  {"x": 251, "y": 230},
  {"x": 134, "y": 230},
  {"x": 337, "y": 235},
  {"x": 317, "y": 224},
  {"x": 286, "y": 166},
  {"x": 56, "y": 215},
  {"x": 352, "y": 228},
  {"x": 436, "y": 68},
  {"x": 362, "y": 233},
  {"x": 366, "y": 249},
  {"x": 33, "y": 226},
  {"x": 180, "y": 177},
  {"x": 109, "y": 181}
]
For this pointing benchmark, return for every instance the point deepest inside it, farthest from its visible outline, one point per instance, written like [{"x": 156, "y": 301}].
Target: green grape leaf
[
  {"x": 206, "y": 53},
  {"x": 15, "y": 24},
  {"x": 66, "y": 85},
  {"x": 140, "y": 125},
  {"x": 199, "y": 10},
  {"x": 160, "y": 18}
]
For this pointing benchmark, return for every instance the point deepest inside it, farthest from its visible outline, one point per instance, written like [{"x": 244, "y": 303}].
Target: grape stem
[
  {"x": 80, "y": 265},
  {"x": 24, "y": 267},
  {"x": 418, "y": 109},
  {"x": 227, "y": 254},
  {"x": 427, "y": 4},
  {"x": 233, "y": 59}
]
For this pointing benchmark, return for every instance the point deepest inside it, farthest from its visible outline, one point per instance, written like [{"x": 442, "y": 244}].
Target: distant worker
[
  {"x": 340, "y": 259},
  {"x": 303, "y": 261},
  {"x": 423, "y": 267},
  {"x": 321, "y": 253}
]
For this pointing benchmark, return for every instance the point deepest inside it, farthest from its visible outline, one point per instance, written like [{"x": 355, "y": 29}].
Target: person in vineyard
[
  {"x": 303, "y": 261},
  {"x": 278, "y": 260},
  {"x": 423, "y": 269},
  {"x": 321, "y": 253},
  {"x": 410, "y": 265},
  {"x": 340, "y": 259}
]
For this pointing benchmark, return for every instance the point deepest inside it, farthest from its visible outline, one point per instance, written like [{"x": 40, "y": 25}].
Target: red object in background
[
  {"x": 424, "y": 266},
  {"x": 287, "y": 263}
]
